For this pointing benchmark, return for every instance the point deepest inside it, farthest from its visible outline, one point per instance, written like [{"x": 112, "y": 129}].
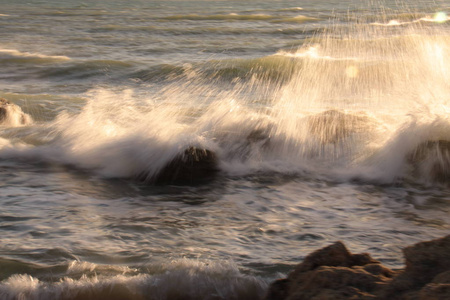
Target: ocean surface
[{"x": 328, "y": 120}]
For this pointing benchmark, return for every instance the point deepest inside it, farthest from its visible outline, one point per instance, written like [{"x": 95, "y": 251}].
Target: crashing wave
[
  {"x": 12, "y": 115},
  {"x": 431, "y": 159}
]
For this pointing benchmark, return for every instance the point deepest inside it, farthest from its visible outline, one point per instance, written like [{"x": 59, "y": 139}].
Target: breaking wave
[
  {"x": 13, "y": 55},
  {"x": 184, "y": 279},
  {"x": 323, "y": 109}
]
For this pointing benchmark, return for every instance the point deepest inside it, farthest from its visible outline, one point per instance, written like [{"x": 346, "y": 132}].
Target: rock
[
  {"x": 241, "y": 146},
  {"x": 431, "y": 159},
  {"x": 12, "y": 115},
  {"x": 425, "y": 261},
  {"x": 331, "y": 273},
  {"x": 335, "y": 255},
  {"x": 443, "y": 277},
  {"x": 434, "y": 291},
  {"x": 335, "y": 273},
  {"x": 332, "y": 126},
  {"x": 193, "y": 165}
]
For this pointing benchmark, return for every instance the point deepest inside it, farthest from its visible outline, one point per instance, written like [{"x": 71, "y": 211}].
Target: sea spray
[{"x": 348, "y": 95}]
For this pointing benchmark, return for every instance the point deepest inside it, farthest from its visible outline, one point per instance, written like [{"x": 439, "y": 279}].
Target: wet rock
[
  {"x": 193, "y": 165},
  {"x": 12, "y": 115},
  {"x": 241, "y": 146},
  {"x": 335, "y": 273},
  {"x": 331, "y": 273},
  {"x": 332, "y": 126},
  {"x": 431, "y": 159}
]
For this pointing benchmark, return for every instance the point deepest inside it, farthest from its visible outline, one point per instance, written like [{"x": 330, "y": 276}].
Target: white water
[{"x": 324, "y": 129}]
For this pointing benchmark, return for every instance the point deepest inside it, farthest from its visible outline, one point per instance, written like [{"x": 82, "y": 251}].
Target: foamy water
[{"x": 323, "y": 122}]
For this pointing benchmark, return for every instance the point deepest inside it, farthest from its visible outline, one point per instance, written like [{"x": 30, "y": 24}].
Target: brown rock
[
  {"x": 335, "y": 255},
  {"x": 335, "y": 273},
  {"x": 427, "y": 259},
  {"x": 424, "y": 262},
  {"x": 435, "y": 291},
  {"x": 330, "y": 273},
  {"x": 442, "y": 278}
]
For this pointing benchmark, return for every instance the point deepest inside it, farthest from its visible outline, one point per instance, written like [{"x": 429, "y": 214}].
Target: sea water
[{"x": 329, "y": 121}]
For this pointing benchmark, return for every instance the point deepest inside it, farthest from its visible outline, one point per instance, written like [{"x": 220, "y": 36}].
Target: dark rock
[
  {"x": 443, "y": 277},
  {"x": 425, "y": 261},
  {"x": 330, "y": 273},
  {"x": 192, "y": 166},
  {"x": 434, "y": 291},
  {"x": 431, "y": 159},
  {"x": 335, "y": 255},
  {"x": 279, "y": 289},
  {"x": 335, "y": 273}
]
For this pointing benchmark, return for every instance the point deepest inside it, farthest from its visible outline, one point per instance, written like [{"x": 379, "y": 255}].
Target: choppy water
[{"x": 329, "y": 121}]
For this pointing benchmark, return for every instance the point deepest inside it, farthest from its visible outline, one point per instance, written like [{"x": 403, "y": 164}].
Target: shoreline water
[{"x": 331, "y": 271}]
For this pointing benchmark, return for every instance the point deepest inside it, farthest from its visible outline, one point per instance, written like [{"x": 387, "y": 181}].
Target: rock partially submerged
[
  {"x": 335, "y": 273},
  {"x": 332, "y": 126},
  {"x": 193, "y": 165},
  {"x": 431, "y": 159},
  {"x": 12, "y": 115}
]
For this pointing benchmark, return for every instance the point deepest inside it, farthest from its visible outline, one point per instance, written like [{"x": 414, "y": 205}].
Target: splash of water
[{"x": 355, "y": 101}]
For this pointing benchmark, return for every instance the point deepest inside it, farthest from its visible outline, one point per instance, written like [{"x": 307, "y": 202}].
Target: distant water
[{"x": 329, "y": 121}]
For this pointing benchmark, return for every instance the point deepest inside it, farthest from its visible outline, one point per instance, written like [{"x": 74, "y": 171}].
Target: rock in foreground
[{"x": 335, "y": 273}]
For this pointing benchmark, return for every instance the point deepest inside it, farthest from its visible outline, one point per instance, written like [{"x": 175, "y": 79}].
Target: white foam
[
  {"x": 179, "y": 279},
  {"x": 13, "y": 116},
  {"x": 80, "y": 267},
  {"x": 17, "y": 53},
  {"x": 312, "y": 52},
  {"x": 363, "y": 78}
]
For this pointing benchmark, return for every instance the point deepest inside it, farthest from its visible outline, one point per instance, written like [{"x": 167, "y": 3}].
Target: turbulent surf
[{"x": 156, "y": 150}]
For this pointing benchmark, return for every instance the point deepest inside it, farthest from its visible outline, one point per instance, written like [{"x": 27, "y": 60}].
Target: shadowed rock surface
[
  {"x": 335, "y": 273},
  {"x": 192, "y": 166},
  {"x": 432, "y": 159}
]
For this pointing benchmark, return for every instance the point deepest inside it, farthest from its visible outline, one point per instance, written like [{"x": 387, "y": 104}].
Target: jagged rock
[
  {"x": 12, "y": 115},
  {"x": 425, "y": 261},
  {"x": 434, "y": 291},
  {"x": 335, "y": 273},
  {"x": 191, "y": 166},
  {"x": 332, "y": 273}
]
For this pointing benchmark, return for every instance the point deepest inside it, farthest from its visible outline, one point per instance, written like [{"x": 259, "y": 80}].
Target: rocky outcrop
[
  {"x": 12, "y": 115},
  {"x": 193, "y": 165},
  {"x": 335, "y": 273}
]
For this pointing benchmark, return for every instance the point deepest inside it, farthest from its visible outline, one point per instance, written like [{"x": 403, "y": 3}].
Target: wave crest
[{"x": 182, "y": 279}]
